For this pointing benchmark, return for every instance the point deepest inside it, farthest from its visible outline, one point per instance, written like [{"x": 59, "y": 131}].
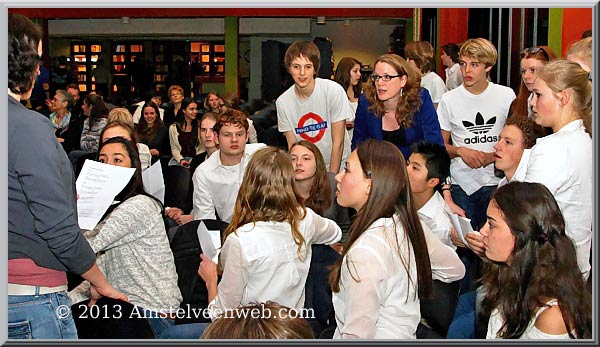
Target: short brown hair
[
  {"x": 307, "y": 49},
  {"x": 280, "y": 324},
  {"x": 231, "y": 117},
  {"x": 422, "y": 53}
]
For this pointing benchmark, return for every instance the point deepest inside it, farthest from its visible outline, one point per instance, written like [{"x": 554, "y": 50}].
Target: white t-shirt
[
  {"x": 563, "y": 163},
  {"x": 453, "y": 77},
  {"x": 311, "y": 118},
  {"x": 475, "y": 122},
  {"x": 261, "y": 262},
  {"x": 435, "y": 85}
]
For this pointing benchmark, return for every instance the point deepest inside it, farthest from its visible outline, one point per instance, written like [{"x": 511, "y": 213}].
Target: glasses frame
[{"x": 385, "y": 78}]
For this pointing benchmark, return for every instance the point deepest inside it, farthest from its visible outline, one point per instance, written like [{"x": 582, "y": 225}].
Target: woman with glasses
[
  {"x": 395, "y": 108},
  {"x": 531, "y": 60},
  {"x": 173, "y": 109}
]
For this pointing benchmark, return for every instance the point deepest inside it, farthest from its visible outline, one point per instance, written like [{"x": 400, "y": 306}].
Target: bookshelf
[{"x": 85, "y": 54}]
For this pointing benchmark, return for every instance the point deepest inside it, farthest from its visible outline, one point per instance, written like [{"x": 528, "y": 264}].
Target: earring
[{"x": 401, "y": 91}]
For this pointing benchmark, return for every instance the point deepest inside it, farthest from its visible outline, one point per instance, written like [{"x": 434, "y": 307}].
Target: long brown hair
[
  {"x": 319, "y": 198},
  {"x": 520, "y": 106},
  {"x": 543, "y": 264},
  {"x": 409, "y": 102},
  {"x": 342, "y": 75},
  {"x": 143, "y": 131},
  {"x": 267, "y": 194},
  {"x": 390, "y": 196}
]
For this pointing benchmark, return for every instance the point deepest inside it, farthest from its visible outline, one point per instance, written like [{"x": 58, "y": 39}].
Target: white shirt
[
  {"x": 434, "y": 214},
  {"x": 216, "y": 186},
  {"x": 453, "y": 76},
  {"x": 137, "y": 114},
  {"x": 261, "y": 262},
  {"x": 563, "y": 163},
  {"x": 475, "y": 122},
  {"x": 384, "y": 304},
  {"x": 435, "y": 85},
  {"x": 531, "y": 332},
  {"x": 145, "y": 156},
  {"x": 312, "y": 118},
  {"x": 519, "y": 175}
]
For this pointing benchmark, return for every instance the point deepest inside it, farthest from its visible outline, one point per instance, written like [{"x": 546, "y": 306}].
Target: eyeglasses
[
  {"x": 385, "y": 78},
  {"x": 534, "y": 50}
]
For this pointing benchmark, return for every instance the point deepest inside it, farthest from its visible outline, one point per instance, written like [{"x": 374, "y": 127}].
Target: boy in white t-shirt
[
  {"x": 428, "y": 166},
  {"x": 471, "y": 117},
  {"x": 314, "y": 109}
]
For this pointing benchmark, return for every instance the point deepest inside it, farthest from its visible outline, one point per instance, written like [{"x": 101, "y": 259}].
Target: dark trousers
[{"x": 317, "y": 290}]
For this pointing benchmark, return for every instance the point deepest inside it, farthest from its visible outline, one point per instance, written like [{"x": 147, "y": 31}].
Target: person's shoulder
[
  {"x": 501, "y": 89},
  {"x": 551, "y": 321},
  {"x": 142, "y": 202},
  {"x": 285, "y": 96}
]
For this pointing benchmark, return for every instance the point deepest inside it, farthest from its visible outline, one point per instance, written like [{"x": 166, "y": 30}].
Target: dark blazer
[{"x": 425, "y": 124}]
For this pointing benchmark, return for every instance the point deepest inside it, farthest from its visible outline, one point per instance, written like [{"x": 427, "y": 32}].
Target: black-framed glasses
[
  {"x": 385, "y": 78},
  {"x": 534, "y": 50}
]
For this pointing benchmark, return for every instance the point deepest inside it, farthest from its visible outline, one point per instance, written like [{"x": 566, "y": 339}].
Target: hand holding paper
[
  {"x": 210, "y": 241},
  {"x": 97, "y": 186}
]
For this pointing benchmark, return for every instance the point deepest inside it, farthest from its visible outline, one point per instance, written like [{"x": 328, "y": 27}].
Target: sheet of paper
[
  {"x": 154, "y": 183},
  {"x": 97, "y": 186},
  {"x": 210, "y": 241},
  {"x": 462, "y": 226}
]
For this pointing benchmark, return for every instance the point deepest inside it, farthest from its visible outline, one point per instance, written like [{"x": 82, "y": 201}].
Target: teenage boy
[
  {"x": 314, "y": 109},
  {"x": 428, "y": 166},
  {"x": 471, "y": 117},
  {"x": 217, "y": 180}
]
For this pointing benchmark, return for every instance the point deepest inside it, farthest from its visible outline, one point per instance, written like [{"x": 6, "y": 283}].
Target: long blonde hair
[{"x": 267, "y": 194}]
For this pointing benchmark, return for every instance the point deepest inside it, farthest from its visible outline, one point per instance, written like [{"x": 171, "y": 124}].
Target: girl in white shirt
[
  {"x": 267, "y": 249},
  {"x": 532, "y": 290},
  {"x": 562, "y": 161},
  {"x": 347, "y": 74},
  {"x": 384, "y": 268}
]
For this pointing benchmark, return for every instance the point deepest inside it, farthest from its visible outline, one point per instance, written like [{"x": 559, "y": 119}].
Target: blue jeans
[
  {"x": 37, "y": 317},
  {"x": 184, "y": 331},
  {"x": 475, "y": 205},
  {"x": 159, "y": 324}
]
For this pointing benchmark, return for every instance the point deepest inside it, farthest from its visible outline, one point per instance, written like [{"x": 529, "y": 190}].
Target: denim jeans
[
  {"x": 46, "y": 316},
  {"x": 475, "y": 205},
  {"x": 184, "y": 331},
  {"x": 158, "y": 324}
]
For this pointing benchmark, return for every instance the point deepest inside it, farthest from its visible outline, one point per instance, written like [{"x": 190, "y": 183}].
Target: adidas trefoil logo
[{"x": 480, "y": 126}]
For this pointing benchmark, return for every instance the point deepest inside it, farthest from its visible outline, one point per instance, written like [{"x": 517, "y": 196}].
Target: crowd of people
[{"x": 351, "y": 222}]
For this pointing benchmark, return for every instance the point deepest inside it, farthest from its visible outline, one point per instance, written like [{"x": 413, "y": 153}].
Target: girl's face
[
  {"x": 545, "y": 104},
  {"x": 353, "y": 187},
  {"x": 115, "y": 132},
  {"x": 529, "y": 67},
  {"x": 191, "y": 111},
  {"x": 213, "y": 102},
  {"x": 498, "y": 240},
  {"x": 115, "y": 154},
  {"x": 355, "y": 75},
  {"x": 304, "y": 163},
  {"x": 87, "y": 109},
  {"x": 149, "y": 115}
]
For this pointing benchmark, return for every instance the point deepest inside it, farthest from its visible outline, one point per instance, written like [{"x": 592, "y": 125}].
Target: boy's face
[
  {"x": 232, "y": 139},
  {"x": 474, "y": 73},
  {"x": 417, "y": 174},
  {"x": 302, "y": 71}
]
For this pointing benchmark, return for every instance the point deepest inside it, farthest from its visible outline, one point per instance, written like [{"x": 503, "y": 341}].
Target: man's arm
[
  {"x": 204, "y": 207},
  {"x": 475, "y": 159},
  {"x": 338, "y": 131},
  {"x": 290, "y": 137}
]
